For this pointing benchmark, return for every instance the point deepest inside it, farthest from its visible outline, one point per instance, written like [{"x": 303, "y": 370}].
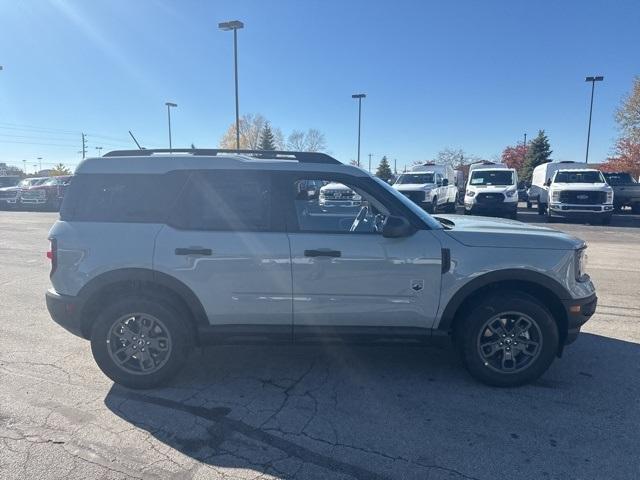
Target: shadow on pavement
[{"x": 396, "y": 412}]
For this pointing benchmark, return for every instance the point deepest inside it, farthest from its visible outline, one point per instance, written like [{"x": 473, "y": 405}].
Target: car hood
[
  {"x": 503, "y": 233},
  {"x": 580, "y": 186},
  {"x": 414, "y": 186},
  {"x": 9, "y": 189}
]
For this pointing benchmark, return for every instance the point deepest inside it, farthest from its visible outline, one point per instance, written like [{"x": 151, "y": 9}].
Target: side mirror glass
[
  {"x": 445, "y": 182},
  {"x": 396, "y": 227}
]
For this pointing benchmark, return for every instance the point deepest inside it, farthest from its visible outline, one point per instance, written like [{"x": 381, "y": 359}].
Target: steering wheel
[{"x": 361, "y": 215}]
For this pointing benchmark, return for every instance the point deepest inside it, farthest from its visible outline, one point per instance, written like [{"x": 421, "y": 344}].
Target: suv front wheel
[
  {"x": 508, "y": 340},
  {"x": 139, "y": 342}
]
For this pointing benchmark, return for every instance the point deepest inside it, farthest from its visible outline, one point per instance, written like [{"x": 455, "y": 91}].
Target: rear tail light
[{"x": 52, "y": 255}]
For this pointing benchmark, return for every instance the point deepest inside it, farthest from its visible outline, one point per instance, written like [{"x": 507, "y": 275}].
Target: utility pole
[
  {"x": 40, "y": 162},
  {"x": 24, "y": 166},
  {"x": 84, "y": 146},
  {"x": 370, "y": 162},
  {"x": 395, "y": 166},
  {"x": 359, "y": 96}
]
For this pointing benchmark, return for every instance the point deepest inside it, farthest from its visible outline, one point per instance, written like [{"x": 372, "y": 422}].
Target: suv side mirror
[
  {"x": 445, "y": 182},
  {"x": 396, "y": 227}
]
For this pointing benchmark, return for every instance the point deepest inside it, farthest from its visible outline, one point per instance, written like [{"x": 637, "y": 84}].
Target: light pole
[
  {"x": 40, "y": 162},
  {"x": 593, "y": 81},
  {"x": 359, "y": 96},
  {"x": 234, "y": 25},
  {"x": 24, "y": 166},
  {"x": 99, "y": 149},
  {"x": 169, "y": 105}
]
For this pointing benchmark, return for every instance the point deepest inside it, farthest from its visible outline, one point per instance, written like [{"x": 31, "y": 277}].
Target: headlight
[
  {"x": 555, "y": 196},
  {"x": 470, "y": 193},
  {"x": 610, "y": 196},
  {"x": 356, "y": 197},
  {"x": 510, "y": 193},
  {"x": 581, "y": 265}
]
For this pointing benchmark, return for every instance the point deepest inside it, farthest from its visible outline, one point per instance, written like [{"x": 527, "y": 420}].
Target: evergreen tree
[
  {"x": 538, "y": 152},
  {"x": 384, "y": 170},
  {"x": 267, "y": 139}
]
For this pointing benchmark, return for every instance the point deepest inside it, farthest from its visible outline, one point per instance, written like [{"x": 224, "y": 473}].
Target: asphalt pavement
[{"x": 325, "y": 411}]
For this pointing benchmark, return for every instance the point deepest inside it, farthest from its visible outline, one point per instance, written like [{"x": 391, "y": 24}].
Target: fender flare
[{"x": 540, "y": 280}]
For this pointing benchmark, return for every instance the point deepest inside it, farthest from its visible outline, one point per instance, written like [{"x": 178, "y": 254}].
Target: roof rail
[{"x": 302, "y": 157}]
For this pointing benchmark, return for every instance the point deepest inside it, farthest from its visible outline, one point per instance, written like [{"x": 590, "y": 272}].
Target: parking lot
[{"x": 326, "y": 411}]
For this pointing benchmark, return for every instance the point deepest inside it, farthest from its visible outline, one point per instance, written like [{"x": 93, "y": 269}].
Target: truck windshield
[
  {"x": 591, "y": 176},
  {"x": 616, "y": 179},
  {"x": 492, "y": 177},
  {"x": 8, "y": 181},
  {"x": 419, "y": 178}
]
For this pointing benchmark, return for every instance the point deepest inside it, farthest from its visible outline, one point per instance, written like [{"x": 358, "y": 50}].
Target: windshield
[
  {"x": 428, "y": 219},
  {"x": 8, "y": 181},
  {"x": 491, "y": 177},
  {"x": 619, "y": 178},
  {"x": 419, "y": 178},
  {"x": 589, "y": 176}
]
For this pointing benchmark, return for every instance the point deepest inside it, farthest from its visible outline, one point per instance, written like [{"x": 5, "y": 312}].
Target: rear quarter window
[{"x": 138, "y": 198}]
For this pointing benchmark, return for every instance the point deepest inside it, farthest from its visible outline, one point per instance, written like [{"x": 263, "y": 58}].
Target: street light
[
  {"x": 99, "y": 149},
  {"x": 169, "y": 105},
  {"x": 593, "y": 81},
  {"x": 359, "y": 96},
  {"x": 234, "y": 25}
]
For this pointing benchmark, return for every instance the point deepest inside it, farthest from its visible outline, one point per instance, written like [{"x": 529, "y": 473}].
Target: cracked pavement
[{"x": 323, "y": 411}]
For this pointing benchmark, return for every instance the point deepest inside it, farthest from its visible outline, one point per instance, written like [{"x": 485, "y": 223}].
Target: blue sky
[{"x": 461, "y": 74}]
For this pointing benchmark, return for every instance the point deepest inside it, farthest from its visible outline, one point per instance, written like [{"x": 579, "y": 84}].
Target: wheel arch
[
  {"x": 542, "y": 287},
  {"x": 110, "y": 285}
]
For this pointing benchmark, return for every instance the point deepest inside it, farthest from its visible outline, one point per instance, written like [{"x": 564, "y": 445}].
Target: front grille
[
  {"x": 583, "y": 197},
  {"x": 36, "y": 194},
  {"x": 13, "y": 194},
  {"x": 415, "y": 197},
  {"x": 489, "y": 198},
  {"x": 337, "y": 194}
]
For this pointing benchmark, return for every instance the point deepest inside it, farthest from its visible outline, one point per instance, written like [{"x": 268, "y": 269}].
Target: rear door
[
  {"x": 347, "y": 276},
  {"x": 226, "y": 241}
]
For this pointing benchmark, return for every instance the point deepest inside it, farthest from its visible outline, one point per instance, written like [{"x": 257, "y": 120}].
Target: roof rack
[{"x": 302, "y": 157}]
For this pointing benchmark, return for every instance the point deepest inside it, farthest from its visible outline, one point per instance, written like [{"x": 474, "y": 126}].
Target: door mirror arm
[{"x": 397, "y": 227}]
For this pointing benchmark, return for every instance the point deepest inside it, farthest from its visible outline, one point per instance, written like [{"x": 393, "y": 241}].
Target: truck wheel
[
  {"x": 433, "y": 208},
  {"x": 508, "y": 340},
  {"x": 529, "y": 205},
  {"x": 542, "y": 208},
  {"x": 451, "y": 207},
  {"x": 140, "y": 342}
]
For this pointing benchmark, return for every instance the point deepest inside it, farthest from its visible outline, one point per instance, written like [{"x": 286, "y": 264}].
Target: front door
[{"x": 347, "y": 275}]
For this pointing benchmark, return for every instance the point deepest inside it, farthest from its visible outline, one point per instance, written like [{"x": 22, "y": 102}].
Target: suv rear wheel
[
  {"x": 139, "y": 342},
  {"x": 508, "y": 340}
]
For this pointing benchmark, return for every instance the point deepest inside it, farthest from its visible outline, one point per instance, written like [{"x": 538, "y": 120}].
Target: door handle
[
  {"x": 193, "y": 251},
  {"x": 323, "y": 252}
]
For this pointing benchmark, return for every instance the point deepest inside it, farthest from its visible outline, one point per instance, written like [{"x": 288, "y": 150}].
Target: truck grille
[
  {"x": 9, "y": 195},
  {"x": 337, "y": 194},
  {"x": 489, "y": 198},
  {"x": 583, "y": 197},
  {"x": 33, "y": 195},
  {"x": 415, "y": 197}
]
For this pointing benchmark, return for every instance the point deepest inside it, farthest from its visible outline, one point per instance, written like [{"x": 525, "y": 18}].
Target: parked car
[
  {"x": 580, "y": 194},
  {"x": 10, "y": 196},
  {"x": 220, "y": 249},
  {"x": 540, "y": 180},
  {"x": 430, "y": 186},
  {"x": 492, "y": 191},
  {"x": 335, "y": 194},
  {"x": 47, "y": 194},
  {"x": 8, "y": 190},
  {"x": 626, "y": 191}
]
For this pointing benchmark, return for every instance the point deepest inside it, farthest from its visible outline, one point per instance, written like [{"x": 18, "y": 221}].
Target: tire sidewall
[
  {"x": 180, "y": 338},
  {"x": 470, "y": 328}
]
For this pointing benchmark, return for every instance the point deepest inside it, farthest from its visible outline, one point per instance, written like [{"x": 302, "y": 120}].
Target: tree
[
  {"x": 538, "y": 152},
  {"x": 626, "y": 158},
  {"x": 628, "y": 113},
  {"x": 450, "y": 156},
  {"x": 310, "y": 141},
  {"x": 514, "y": 157},
  {"x": 10, "y": 170},
  {"x": 250, "y": 133},
  {"x": 60, "y": 169},
  {"x": 384, "y": 169},
  {"x": 267, "y": 140}
]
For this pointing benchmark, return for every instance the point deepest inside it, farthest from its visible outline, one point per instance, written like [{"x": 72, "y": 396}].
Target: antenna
[{"x": 134, "y": 139}]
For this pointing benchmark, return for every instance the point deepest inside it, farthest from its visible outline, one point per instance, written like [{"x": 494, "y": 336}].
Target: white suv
[{"x": 157, "y": 252}]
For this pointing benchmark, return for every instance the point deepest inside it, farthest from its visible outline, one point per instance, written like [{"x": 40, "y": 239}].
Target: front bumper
[
  {"x": 493, "y": 207},
  {"x": 579, "y": 211},
  {"x": 578, "y": 313},
  {"x": 339, "y": 203},
  {"x": 65, "y": 311},
  {"x": 33, "y": 201}
]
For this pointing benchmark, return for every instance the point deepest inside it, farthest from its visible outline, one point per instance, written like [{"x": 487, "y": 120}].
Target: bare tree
[
  {"x": 310, "y": 141},
  {"x": 250, "y": 131}
]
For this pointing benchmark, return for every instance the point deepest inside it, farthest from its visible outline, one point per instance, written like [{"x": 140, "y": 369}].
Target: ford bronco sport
[{"x": 157, "y": 252}]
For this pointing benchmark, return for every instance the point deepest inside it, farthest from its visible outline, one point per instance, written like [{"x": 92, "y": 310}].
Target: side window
[
  {"x": 331, "y": 206},
  {"x": 438, "y": 179},
  {"x": 121, "y": 197},
  {"x": 225, "y": 200}
]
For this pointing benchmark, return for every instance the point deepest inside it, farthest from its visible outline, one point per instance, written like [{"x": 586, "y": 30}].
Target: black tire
[
  {"x": 605, "y": 220},
  {"x": 451, "y": 207},
  {"x": 549, "y": 218},
  {"x": 180, "y": 335},
  {"x": 529, "y": 205},
  {"x": 542, "y": 208},
  {"x": 513, "y": 215},
  {"x": 472, "y": 330}
]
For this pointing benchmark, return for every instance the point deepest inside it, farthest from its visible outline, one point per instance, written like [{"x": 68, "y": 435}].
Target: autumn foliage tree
[
  {"x": 514, "y": 156},
  {"x": 626, "y": 158}
]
